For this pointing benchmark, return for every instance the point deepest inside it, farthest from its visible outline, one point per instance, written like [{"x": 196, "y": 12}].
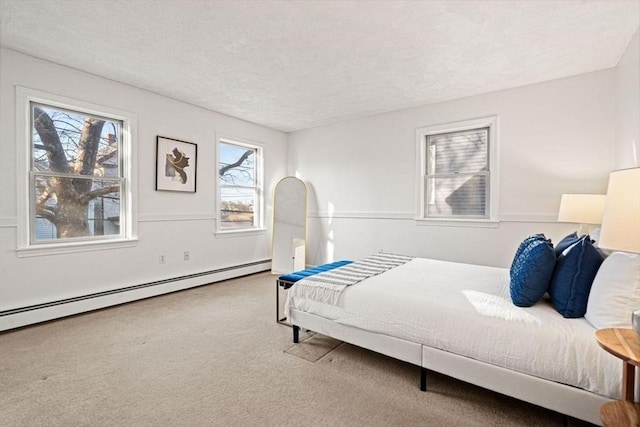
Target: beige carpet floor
[{"x": 214, "y": 356}]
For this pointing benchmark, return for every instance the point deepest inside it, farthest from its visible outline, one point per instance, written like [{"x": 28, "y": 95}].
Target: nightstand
[{"x": 624, "y": 344}]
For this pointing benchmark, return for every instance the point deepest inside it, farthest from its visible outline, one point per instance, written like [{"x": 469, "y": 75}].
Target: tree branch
[
  {"x": 87, "y": 154},
  {"x": 45, "y": 213},
  {"x": 49, "y": 137},
  {"x": 226, "y": 168},
  {"x": 89, "y": 143},
  {"x": 106, "y": 157},
  {"x": 100, "y": 192},
  {"x": 46, "y": 195}
]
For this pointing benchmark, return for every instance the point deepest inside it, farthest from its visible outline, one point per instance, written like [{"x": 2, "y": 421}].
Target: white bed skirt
[
  {"x": 397, "y": 348},
  {"x": 558, "y": 397}
]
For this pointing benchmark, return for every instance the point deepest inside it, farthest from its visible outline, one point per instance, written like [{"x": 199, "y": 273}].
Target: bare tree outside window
[
  {"x": 239, "y": 186},
  {"x": 76, "y": 176}
]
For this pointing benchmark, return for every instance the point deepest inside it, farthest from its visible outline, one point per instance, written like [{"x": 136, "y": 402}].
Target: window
[
  {"x": 458, "y": 173},
  {"x": 78, "y": 177},
  {"x": 239, "y": 186}
]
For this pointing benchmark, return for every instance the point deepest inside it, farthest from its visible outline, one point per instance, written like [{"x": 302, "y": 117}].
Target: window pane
[
  {"x": 237, "y": 165},
  {"x": 458, "y": 152},
  {"x": 70, "y": 142},
  {"x": 75, "y": 208},
  {"x": 237, "y": 207},
  {"x": 457, "y": 196}
]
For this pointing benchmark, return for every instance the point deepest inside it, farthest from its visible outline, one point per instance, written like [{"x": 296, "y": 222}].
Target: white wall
[
  {"x": 555, "y": 137},
  {"x": 169, "y": 223},
  {"x": 628, "y": 106}
]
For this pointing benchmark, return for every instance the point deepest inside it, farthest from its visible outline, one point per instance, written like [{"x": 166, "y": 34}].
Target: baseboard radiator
[{"x": 27, "y": 315}]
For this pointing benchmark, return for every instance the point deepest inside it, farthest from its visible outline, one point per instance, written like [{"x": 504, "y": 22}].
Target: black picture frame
[{"x": 176, "y": 165}]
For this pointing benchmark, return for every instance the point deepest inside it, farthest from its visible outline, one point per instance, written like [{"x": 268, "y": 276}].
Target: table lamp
[
  {"x": 583, "y": 209},
  {"x": 621, "y": 220}
]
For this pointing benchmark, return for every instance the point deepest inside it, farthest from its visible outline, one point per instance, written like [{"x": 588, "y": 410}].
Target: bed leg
[
  {"x": 423, "y": 379},
  {"x": 296, "y": 334}
]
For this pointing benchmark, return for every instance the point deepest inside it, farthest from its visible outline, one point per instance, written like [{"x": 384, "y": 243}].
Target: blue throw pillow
[
  {"x": 572, "y": 278},
  {"x": 523, "y": 245},
  {"x": 566, "y": 242},
  {"x": 531, "y": 270}
]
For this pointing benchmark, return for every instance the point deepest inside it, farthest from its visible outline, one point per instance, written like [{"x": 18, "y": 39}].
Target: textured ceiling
[{"x": 292, "y": 65}]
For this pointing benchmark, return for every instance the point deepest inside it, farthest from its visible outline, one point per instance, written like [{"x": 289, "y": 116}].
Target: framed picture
[{"x": 175, "y": 165}]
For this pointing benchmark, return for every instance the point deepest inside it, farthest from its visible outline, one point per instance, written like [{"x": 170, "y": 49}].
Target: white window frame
[
  {"x": 258, "y": 227},
  {"x": 422, "y": 133},
  {"x": 26, "y": 246}
]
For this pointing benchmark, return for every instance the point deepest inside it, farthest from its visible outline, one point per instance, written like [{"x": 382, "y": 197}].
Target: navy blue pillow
[
  {"x": 573, "y": 276},
  {"x": 531, "y": 270},
  {"x": 566, "y": 242},
  {"x": 523, "y": 245}
]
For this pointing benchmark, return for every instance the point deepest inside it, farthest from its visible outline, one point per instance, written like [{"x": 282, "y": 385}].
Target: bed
[{"x": 459, "y": 320}]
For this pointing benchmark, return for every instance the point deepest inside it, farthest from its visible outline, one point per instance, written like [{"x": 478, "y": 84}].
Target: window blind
[{"x": 457, "y": 174}]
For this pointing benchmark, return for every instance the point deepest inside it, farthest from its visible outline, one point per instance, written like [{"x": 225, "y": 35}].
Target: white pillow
[{"x": 615, "y": 292}]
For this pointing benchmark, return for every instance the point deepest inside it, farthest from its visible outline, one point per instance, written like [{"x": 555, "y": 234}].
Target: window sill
[
  {"x": 448, "y": 222},
  {"x": 239, "y": 233},
  {"x": 68, "y": 248}
]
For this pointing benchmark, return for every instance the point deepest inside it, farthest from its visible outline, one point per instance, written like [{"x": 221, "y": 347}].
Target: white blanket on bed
[{"x": 466, "y": 309}]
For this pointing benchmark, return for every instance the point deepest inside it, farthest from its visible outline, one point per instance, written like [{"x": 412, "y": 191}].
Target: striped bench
[{"x": 287, "y": 280}]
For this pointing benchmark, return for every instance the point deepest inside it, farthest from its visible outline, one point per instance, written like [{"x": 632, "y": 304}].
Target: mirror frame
[{"x": 274, "y": 228}]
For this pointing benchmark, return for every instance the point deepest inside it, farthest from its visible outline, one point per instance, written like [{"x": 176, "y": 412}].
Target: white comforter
[{"x": 466, "y": 309}]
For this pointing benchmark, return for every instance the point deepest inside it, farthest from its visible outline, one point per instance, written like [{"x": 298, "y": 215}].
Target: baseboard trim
[{"x": 22, "y": 316}]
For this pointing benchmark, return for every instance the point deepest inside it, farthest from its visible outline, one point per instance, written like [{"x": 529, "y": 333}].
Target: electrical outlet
[
  {"x": 161, "y": 259},
  {"x": 187, "y": 256}
]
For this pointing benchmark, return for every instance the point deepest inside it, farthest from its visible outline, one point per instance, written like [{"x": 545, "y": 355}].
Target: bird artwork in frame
[{"x": 175, "y": 165}]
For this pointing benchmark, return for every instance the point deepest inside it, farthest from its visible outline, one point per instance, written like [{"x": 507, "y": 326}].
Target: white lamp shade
[
  {"x": 582, "y": 208},
  {"x": 621, "y": 220}
]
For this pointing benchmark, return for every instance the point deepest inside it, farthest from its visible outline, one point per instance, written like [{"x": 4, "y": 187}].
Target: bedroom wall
[
  {"x": 555, "y": 137},
  {"x": 168, "y": 223},
  {"x": 628, "y": 106}
]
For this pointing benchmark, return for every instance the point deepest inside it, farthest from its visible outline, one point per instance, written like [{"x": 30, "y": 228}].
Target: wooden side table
[
  {"x": 620, "y": 413},
  {"x": 624, "y": 344}
]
